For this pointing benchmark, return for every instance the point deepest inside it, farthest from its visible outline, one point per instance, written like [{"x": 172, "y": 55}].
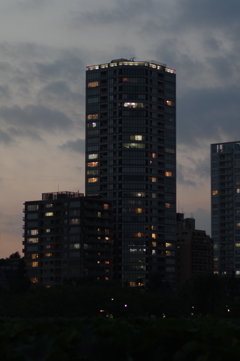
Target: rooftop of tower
[{"x": 121, "y": 62}]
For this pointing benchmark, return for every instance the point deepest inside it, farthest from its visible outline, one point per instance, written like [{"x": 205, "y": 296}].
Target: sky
[{"x": 45, "y": 46}]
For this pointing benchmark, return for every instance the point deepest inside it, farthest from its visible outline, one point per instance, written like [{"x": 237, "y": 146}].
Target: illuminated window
[
  {"x": 98, "y": 262},
  {"x": 92, "y": 116},
  {"x": 153, "y": 251},
  {"x": 92, "y": 180},
  {"x": 215, "y": 259},
  {"x": 133, "y": 145},
  {"x": 34, "y": 256},
  {"x": 133, "y": 105},
  {"x": 153, "y": 227},
  {"x": 74, "y": 221},
  {"x": 49, "y": 205},
  {"x": 154, "y": 244},
  {"x": 153, "y": 179},
  {"x": 34, "y": 264},
  {"x": 154, "y": 155},
  {"x": 92, "y": 164},
  {"x": 107, "y": 262},
  {"x": 168, "y": 253},
  {"x": 48, "y": 230},
  {"x": 153, "y": 235},
  {"x": 93, "y": 84},
  {"x": 138, "y": 235},
  {"x": 106, "y": 206},
  {"x": 74, "y": 246},
  {"x": 168, "y": 244},
  {"x": 168, "y": 174},
  {"x": 237, "y": 183},
  {"x": 49, "y": 214},
  {"x": 34, "y": 280},
  {"x": 93, "y": 156},
  {"x": 106, "y": 278},
  {"x": 99, "y": 214},
  {"x": 238, "y": 190},
  {"x": 48, "y": 254},
  {"x": 170, "y": 103},
  {"x": 48, "y": 246},
  {"x": 139, "y": 210},
  {"x": 214, "y": 193},
  {"x": 136, "y": 137},
  {"x": 167, "y": 205},
  {"x": 92, "y": 172},
  {"x": 32, "y": 240}
]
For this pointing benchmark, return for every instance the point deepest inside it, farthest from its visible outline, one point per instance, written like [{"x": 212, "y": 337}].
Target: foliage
[{"x": 139, "y": 339}]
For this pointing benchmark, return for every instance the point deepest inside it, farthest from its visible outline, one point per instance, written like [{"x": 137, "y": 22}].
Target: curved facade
[{"x": 131, "y": 161}]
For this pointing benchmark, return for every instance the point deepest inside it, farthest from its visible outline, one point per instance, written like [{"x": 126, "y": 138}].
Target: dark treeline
[{"x": 204, "y": 295}]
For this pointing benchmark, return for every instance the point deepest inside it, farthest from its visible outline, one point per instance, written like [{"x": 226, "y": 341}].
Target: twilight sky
[{"x": 45, "y": 46}]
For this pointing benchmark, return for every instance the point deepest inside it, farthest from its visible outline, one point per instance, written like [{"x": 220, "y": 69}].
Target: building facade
[
  {"x": 194, "y": 250},
  {"x": 67, "y": 235},
  {"x": 131, "y": 161},
  {"x": 225, "y": 202}
]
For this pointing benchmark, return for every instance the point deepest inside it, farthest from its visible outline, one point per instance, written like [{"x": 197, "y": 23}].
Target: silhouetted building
[
  {"x": 225, "y": 193},
  {"x": 194, "y": 250},
  {"x": 131, "y": 160},
  {"x": 67, "y": 235}
]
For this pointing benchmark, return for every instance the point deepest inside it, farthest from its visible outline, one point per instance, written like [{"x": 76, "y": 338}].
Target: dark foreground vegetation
[
  {"x": 104, "y": 339},
  {"x": 88, "y": 321}
]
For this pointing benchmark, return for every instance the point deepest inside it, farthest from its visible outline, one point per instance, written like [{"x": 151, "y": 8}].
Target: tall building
[
  {"x": 131, "y": 161},
  {"x": 225, "y": 195},
  {"x": 67, "y": 235},
  {"x": 194, "y": 250}
]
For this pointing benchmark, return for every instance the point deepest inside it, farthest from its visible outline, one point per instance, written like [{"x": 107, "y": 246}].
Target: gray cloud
[
  {"x": 76, "y": 146},
  {"x": 5, "y": 138},
  {"x": 181, "y": 178},
  {"x": 35, "y": 116},
  {"x": 16, "y": 132}
]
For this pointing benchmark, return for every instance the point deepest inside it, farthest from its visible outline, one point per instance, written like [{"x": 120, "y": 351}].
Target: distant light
[
  {"x": 192, "y": 306},
  {"x": 112, "y": 299},
  {"x": 88, "y": 65},
  {"x": 125, "y": 305},
  {"x": 228, "y": 309}
]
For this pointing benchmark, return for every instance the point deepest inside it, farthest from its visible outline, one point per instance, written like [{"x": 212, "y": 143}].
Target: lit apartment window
[
  {"x": 168, "y": 244},
  {"x": 92, "y": 172},
  {"x": 34, "y": 280},
  {"x": 153, "y": 179},
  {"x": 93, "y": 84},
  {"x": 92, "y": 164},
  {"x": 154, "y": 155},
  {"x": 238, "y": 190},
  {"x": 154, "y": 244},
  {"x": 136, "y": 137},
  {"x": 214, "y": 193},
  {"x": 106, "y": 206},
  {"x": 153, "y": 235},
  {"x": 34, "y": 255},
  {"x": 32, "y": 240},
  {"x": 168, "y": 174},
  {"x": 92, "y": 116},
  {"x": 167, "y": 205},
  {"x": 34, "y": 264},
  {"x": 48, "y": 254},
  {"x": 49, "y": 214},
  {"x": 93, "y": 156},
  {"x": 170, "y": 103},
  {"x": 92, "y": 180}
]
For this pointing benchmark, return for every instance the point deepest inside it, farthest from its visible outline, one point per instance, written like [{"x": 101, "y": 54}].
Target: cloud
[
  {"x": 16, "y": 132},
  {"x": 35, "y": 116},
  {"x": 181, "y": 178},
  {"x": 76, "y": 146},
  {"x": 5, "y": 138}
]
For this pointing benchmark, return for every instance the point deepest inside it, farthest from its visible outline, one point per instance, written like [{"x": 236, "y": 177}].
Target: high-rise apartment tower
[
  {"x": 131, "y": 161},
  {"x": 225, "y": 193}
]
